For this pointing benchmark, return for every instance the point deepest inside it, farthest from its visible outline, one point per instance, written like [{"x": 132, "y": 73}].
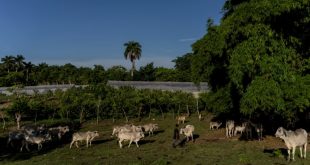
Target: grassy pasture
[{"x": 210, "y": 147}]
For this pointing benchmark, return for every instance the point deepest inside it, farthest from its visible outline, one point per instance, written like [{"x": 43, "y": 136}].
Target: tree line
[
  {"x": 14, "y": 70},
  {"x": 256, "y": 61},
  {"x": 97, "y": 102}
]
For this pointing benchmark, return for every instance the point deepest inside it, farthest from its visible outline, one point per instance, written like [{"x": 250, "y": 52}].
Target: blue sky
[{"x": 88, "y": 32}]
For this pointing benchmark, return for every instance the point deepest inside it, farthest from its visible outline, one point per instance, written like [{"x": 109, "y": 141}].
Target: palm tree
[
  {"x": 132, "y": 52},
  {"x": 28, "y": 68},
  {"x": 19, "y": 62},
  {"x": 8, "y": 62}
]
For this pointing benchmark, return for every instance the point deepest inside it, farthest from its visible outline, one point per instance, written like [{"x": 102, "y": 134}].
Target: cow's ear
[{"x": 284, "y": 132}]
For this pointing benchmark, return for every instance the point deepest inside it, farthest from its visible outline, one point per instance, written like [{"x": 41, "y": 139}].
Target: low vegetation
[{"x": 209, "y": 147}]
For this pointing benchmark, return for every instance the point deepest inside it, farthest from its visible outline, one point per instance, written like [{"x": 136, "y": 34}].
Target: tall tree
[
  {"x": 28, "y": 68},
  {"x": 8, "y": 62},
  {"x": 132, "y": 52},
  {"x": 253, "y": 64},
  {"x": 19, "y": 62}
]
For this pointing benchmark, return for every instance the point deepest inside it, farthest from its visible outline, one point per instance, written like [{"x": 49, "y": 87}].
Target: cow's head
[
  {"x": 181, "y": 130},
  {"x": 280, "y": 132}
]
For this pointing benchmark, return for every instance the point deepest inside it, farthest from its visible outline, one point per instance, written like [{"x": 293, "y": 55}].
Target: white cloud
[
  {"x": 107, "y": 63},
  {"x": 187, "y": 39}
]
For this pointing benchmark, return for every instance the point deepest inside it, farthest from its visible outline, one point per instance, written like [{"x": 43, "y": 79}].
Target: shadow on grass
[
  {"x": 146, "y": 141},
  {"x": 100, "y": 141},
  {"x": 278, "y": 152},
  {"x": 157, "y": 132},
  {"x": 12, "y": 152}
]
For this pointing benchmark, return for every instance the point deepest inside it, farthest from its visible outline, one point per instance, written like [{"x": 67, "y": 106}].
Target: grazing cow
[
  {"x": 36, "y": 140},
  {"x": 59, "y": 131},
  {"x": 34, "y": 130},
  {"x": 181, "y": 118},
  {"x": 215, "y": 125},
  {"x": 247, "y": 130},
  {"x": 16, "y": 136},
  {"x": 117, "y": 129},
  {"x": 81, "y": 136},
  {"x": 238, "y": 129},
  {"x": 188, "y": 132},
  {"x": 126, "y": 128},
  {"x": 293, "y": 139},
  {"x": 129, "y": 136},
  {"x": 259, "y": 130},
  {"x": 150, "y": 128},
  {"x": 230, "y": 124},
  {"x": 200, "y": 117}
]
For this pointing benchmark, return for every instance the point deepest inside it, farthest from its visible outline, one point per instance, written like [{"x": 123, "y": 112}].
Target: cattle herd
[{"x": 40, "y": 134}]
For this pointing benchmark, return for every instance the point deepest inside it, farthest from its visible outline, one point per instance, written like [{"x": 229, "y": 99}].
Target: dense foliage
[
  {"x": 100, "y": 102},
  {"x": 14, "y": 70},
  {"x": 256, "y": 60}
]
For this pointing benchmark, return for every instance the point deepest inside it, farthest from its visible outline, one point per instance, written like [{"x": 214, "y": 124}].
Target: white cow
[
  {"x": 126, "y": 128},
  {"x": 16, "y": 136},
  {"x": 81, "y": 136},
  {"x": 215, "y": 125},
  {"x": 239, "y": 129},
  {"x": 293, "y": 139},
  {"x": 259, "y": 130},
  {"x": 188, "y": 132},
  {"x": 29, "y": 139},
  {"x": 150, "y": 128},
  {"x": 181, "y": 118},
  {"x": 129, "y": 136},
  {"x": 59, "y": 131},
  {"x": 230, "y": 124}
]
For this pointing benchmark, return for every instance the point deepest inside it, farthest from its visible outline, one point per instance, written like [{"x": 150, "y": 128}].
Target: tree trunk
[
  {"x": 35, "y": 118},
  {"x": 187, "y": 110},
  {"x": 27, "y": 75},
  {"x": 150, "y": 112},
  {"x": 54, "y": 111},
  {"x": 2, "y": 116},
  {"x": 173, "y": 114},
  {"x": 81, "y": 115},
  {"x": 67, "y": 114},
  {"x": 125, "y": 115},
  {"x": 18, "y": 117},
  {"x": 197, "y": 108},
  {"x": 139, "y": 113},
  {"x": 3, "y": 127},
  {"x": 98, "y": 108},
  {"x": 179, "y": 110},
  {"x": 162, "y": 113},
  {"x": 132, "y": 67}
]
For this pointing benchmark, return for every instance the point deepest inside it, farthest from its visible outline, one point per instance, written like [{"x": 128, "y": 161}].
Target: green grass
[{"x": 210, "y": 147}]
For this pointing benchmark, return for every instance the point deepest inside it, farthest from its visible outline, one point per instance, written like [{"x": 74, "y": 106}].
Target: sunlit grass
[{"x": 210, "y": 147}]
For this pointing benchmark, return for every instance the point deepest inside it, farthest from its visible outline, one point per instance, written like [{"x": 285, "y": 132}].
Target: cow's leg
[
  {"x": 227, "y": 132},
  {"x": 8, "y": 142},
  {"x": 129, "y": 143},
  {"x": 120, "y": 143},
  {"x": 76, "y": 144},
  {"x": 91, "y": 139},
  {"x": 137, "y": 144},
  {"x": 300, "y": 151},
  {"x": 71, "y": 143},
  {"x": 289, "y": 154},
  {"x": 293, "y": 153},
  {"x": 39, "y": 146},
  {"x": 21, "y": 148},
  {"x": 27, "y": 147},
  {"x": 87, "y": 141},
  {"x": 305, "y": 150}
]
